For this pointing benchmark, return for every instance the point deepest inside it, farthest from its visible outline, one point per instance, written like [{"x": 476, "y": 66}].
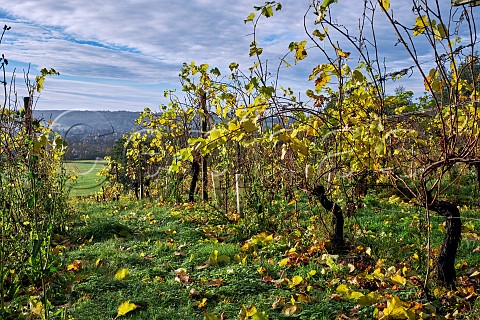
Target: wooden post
[
  {"x": 28, "y": 115},
  {"x": 217, "y": 186},
  {"x": 140, "y": 174},
  {"x": 240, "y": 188},
  {"x": 203, "y": 106}
]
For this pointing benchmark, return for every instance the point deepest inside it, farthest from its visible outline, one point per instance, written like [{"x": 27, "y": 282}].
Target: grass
[
  {"x": 88, "y": 181},
  {"x": 184, "y": 263}
]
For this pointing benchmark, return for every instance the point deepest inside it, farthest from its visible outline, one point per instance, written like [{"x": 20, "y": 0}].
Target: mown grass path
[{"x": 183, "y": 262}]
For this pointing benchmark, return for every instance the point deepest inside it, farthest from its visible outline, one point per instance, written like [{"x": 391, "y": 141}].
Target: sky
[{"x": 123, "y": 54}]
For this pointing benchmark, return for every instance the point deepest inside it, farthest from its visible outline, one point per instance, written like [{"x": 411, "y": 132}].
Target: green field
[{"x": 88, "y": 181}]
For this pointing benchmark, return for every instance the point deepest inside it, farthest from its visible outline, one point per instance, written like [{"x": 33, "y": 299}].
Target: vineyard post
[
  {"x": 217, "y": 187},
  {"x": 28, "y": 115},
  {"x": 240, "y": 188},
  {"x": 203, "y": 106}
]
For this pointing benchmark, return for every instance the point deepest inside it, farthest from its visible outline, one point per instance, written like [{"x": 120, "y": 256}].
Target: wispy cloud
[{"x": 123, "y": 54}]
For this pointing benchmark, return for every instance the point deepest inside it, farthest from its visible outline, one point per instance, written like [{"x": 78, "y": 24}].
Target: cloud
[{"x": 122, "y": 54}]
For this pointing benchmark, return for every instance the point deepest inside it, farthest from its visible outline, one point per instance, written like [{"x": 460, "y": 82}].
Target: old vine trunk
[
  {"x": 338, "y": 240},
  {"x": 445, "y": 267}
]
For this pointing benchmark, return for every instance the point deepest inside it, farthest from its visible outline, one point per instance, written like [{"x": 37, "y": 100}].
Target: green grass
[
  {"x": 165, "y": 249},
  {"x": 88, "y": 181}
]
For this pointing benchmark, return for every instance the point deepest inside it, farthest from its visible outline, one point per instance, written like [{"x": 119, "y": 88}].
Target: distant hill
[
  {"x": 119, "y": 121},
  {"x": 89, "y": 134}
]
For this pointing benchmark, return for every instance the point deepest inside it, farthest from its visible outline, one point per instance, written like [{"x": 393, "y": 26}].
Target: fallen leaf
[
  {"x": 280, "y": 301},
  {"x": 36, "y": 307},
  {"x": 303, "y": 298},
  {"x": 125, "y": 308},
  {"x": 351, "y": 268},
  {"x": 193, "y": 293},
  {"x": 296, "y": 280},
  {"x": 343, "y": 290},
  {"x": 201, "y": 304},
  {"x": 396, "y": 309},
  {"x": 121, "y": 274},
  {"x": 283, "y": 262},
  {"x": 475, "y": 274},
  {"x": 216, "y": 283},
  {"x": 209, "y": 316},
  {"x": 369, "y": 299},
  {"x": 180, "y": 271},
  {"x": 398, "y": 279},
  {"x": 290, "y": 309},
  {"x": 75, "y": 265}
]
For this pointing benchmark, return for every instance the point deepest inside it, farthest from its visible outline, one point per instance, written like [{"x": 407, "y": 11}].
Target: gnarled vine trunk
[
  {"x": 445, "y": 267},
  {"x": 337, "y": 239}
]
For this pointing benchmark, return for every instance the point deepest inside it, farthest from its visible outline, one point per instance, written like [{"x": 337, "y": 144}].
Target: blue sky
[{"x": 122, "y": 54}]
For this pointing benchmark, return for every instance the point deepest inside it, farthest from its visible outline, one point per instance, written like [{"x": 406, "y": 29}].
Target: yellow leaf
[
  {"x": 99, "y": 261},
  {"x": 343, "y": 290},
  {"x": 251, "y": 311},
  {"x": 296, "y": 280},
  {"x": 398, "y": 279},
  {"x": 299, "y": 146},
  {"x": 395, "y": 309},
  {"x": 261, "y": 270},
  {"x": 36, "y": 307},
  {"x": 322, "y": 80},
  {"x": 248, "y": 125},
  {"x": 355, "y": 295},
  {"x": 440, "y": 32},
  {"x": 300, "y": 51},
  {"x": 378, "y": 273},
  {"x": 121, "y": 274},
  {"x": 343, "y": 54},
  {"x": 233, "y": 125},
  {"x": 369, "y": 299},
  {"x": 421, "y": 23},
  {"x": 283, "y": 262},
  {"x": 125, "y": 308},
  {"x": 201, "y": 304},
  {"x": 385, "y": 5}
]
